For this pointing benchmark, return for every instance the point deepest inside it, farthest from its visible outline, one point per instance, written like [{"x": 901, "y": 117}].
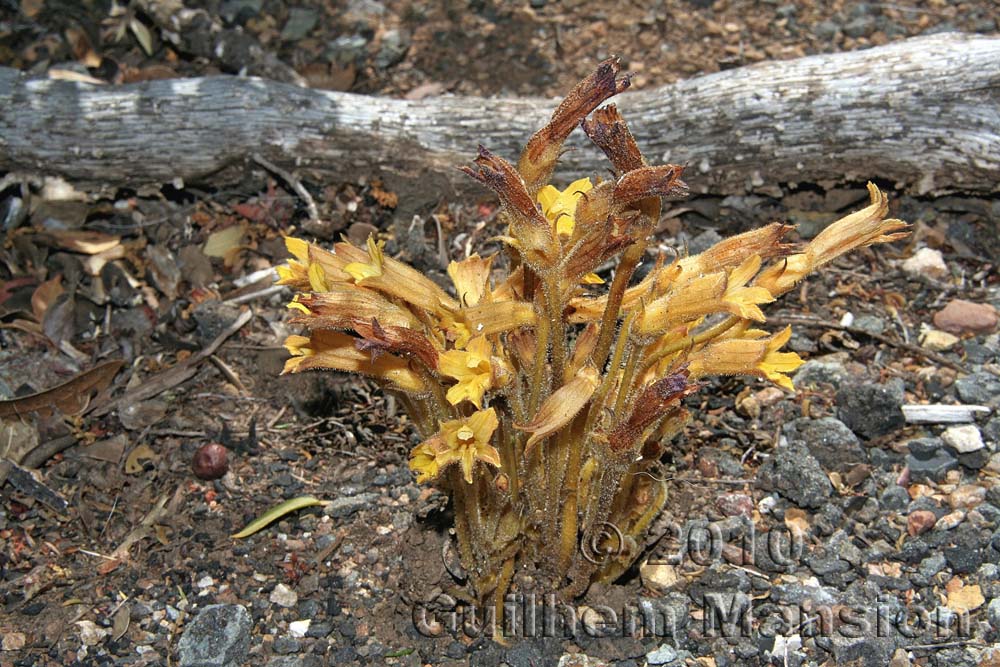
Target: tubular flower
[
  {"x": 462, "y": 441},
  {"x": 746, "y": 356},
  {"x": 471, "y": 367},
  {"x": 560, "y": 207},
  {"x": 371, "y": 269}
]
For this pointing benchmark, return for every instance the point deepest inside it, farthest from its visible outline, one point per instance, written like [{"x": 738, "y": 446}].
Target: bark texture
[{"x": 923, "y": 113}]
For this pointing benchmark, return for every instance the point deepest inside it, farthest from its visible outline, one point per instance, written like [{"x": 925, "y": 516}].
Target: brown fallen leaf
[
  {"x": 70, "y": 398},
  {"x": 133, "y": 464},
  {"x": 45, "y": 295}
]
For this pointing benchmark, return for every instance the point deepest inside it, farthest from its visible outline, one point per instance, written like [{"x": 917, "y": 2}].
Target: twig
[
  {"x": 176, "y": 374},
  {"x": 252, "y": 296},
  {"x": 296, "y": 184},
  {"x": 909, "y": 347}
]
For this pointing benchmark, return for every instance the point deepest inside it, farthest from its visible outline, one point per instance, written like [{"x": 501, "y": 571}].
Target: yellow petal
[
  {"x": 317, "y": 278},
  {"x": 372, "y": 268},
  {"x": 471, "y": 278},
  {"x": 559, "y": 408},
  {"x": 592, "y": 279},
  {"x": 298, "y": 248}
]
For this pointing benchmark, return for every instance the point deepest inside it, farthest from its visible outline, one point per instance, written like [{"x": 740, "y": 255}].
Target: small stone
[
  {"x": 920, "y": 522},
  {"x": 658, "y": 577},
  {"x": 949, "y": 521},
  {"x": 833, "y": 444},
  {"x": 981, "y": 388},
  {"x": 894, "y": 498},
  {"x": 860, "y": 27},
  {"x": 735, "y": 504},
  {"x": 219, "y": 636},
  {"x": 301, "y": 21},
  {"x": 963, "y": 439},
  {"x": 926, "y": 262},
  {"x": 14, "y": 641},
  {"x": 933, "y": 564},
  {"x": 993, "y": 612},
  {"x": 929, "y": 459},
  {"x": 872, "y": 410},
  {"x": 826, "y": 30},
  {"x": 299, "y": 628},
  {"x": 283, "y": 596},
  {"x": 938, "y": 341},
  {"x": 345, "y": 506},
  {"x": 794, "y": 473},
  {"x": 961, "y": 316},
  {"x": 395, "y": 44},
  {"x": 967, "y": 496},
  {"x": 662, "y": 656}
]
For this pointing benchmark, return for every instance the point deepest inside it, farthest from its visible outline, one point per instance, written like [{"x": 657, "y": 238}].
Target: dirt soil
[{"x": 142, "y": 545}]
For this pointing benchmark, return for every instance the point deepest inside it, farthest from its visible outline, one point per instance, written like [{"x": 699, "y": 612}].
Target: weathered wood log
[{"x": 924, "y": 113}]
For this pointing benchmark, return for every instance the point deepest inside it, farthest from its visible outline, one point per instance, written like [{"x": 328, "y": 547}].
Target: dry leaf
[
  {"x": 70, "y": 398},
  {"x": 133, "y": 464},
  {"x": 82, "y": 241},
  {"x": 559, "y": 408},
  {"x": 142, "y": 35},
  {"x": 225, "y": 244},
  {"x": 44, "y": 296}
]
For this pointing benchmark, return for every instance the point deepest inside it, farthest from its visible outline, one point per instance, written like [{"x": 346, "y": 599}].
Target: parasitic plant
[{"x": 543, "y": 395}]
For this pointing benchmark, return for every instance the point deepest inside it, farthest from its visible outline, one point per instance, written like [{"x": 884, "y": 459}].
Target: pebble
[
  {"x": 301, "y": 21},
  {"x": 963, "y": 439},
  {"x": 283, "y": 596},
  {"x": 929, "y": 459},
  {"x": 219, "y": 636},
  {"x": 794, "y": 473},
  {"x": 920, "y": 522},
  {"x": 961, "y": 316},
  {"x": 926, "y": 262},
  {"x": 981, "y": 388},
  {"x": 872, "y": 410},
  {"x": 949, "y": 521},
  {"x": 967, "y": 495},
  {"x": 833, "y": 444},
  {"x": 658, "y": 577},
  {"x": 938, "y": 341},
  {"x": 662, "y": 656},
  {"x": 345, "y": 506},
  {"x": 299, "y": 628},
  {"x": 735, "y": 504},
  {"x": 993, "y": 612}
]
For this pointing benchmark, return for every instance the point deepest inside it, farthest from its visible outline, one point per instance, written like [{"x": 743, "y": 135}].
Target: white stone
[
  {"x": 283, "y": 596},
  {"x": 938, "y": 341},
  {"x": 205, "y": 582},
  {"x": 963, "y": 439},
  {"x": 299, "y": 628},
  {"x": 91, "y": 634},
  {"x": 926, "y": 262}
]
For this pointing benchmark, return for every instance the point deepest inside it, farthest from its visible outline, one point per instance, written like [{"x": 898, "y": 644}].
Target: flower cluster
[{"x": 539, "y": 390}]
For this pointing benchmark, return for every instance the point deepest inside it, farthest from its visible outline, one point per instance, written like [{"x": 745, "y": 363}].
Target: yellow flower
[
  {"x": 775, "y": 364},
  {"x": 371, "y": 269},
  {"x": 744, "y": 301},
  {"x": 560, "y": 207},
  {"x": 471, "y": 367},
  {"x": 462, "y": 441}
]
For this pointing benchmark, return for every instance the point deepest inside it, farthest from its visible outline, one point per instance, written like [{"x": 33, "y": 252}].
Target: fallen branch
[
  {"x": 920, "y": 112},
  {"x": 908, "y": 347}
]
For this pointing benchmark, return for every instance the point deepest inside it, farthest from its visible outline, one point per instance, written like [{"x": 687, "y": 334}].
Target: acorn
[{"x": 210, "y": 461}]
